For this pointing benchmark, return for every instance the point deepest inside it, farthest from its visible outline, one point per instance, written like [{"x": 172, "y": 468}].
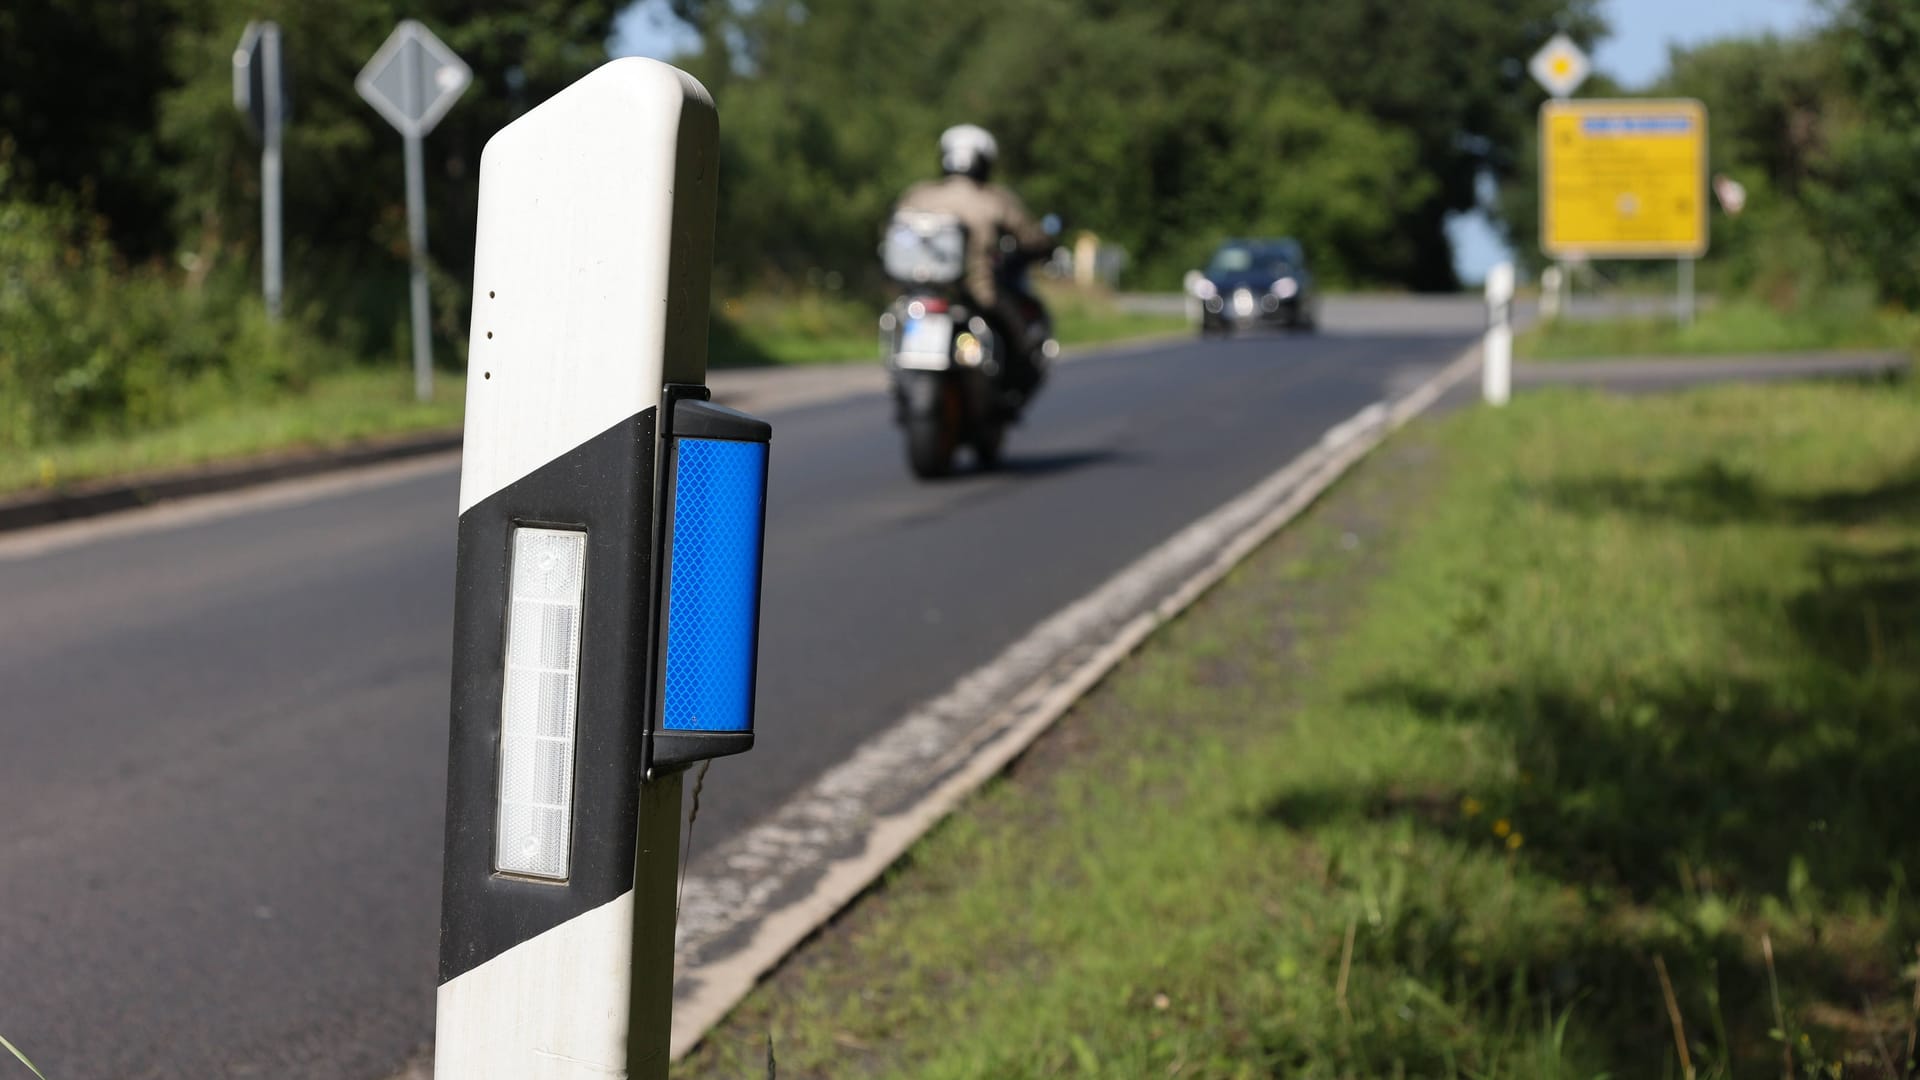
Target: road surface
[{"x": 222, "y": 736}]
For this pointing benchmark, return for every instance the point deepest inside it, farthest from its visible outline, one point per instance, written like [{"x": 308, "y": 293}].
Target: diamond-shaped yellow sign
[{"x": 1560, "y": 66}]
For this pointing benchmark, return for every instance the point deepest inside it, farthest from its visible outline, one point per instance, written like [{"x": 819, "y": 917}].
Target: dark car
[{"x": 1253, "y": 283}]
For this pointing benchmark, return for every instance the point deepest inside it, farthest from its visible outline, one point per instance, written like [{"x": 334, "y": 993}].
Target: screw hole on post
[
  {"x": 486, "y": 374},
  {"x": 489, "y": 294},
  {"x": 489, "y": 335}
]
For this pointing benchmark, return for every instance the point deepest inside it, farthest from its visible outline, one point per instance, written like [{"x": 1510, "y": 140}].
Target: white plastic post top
[
  {"x": 1500, "y": 283},
  {"x": 591, "y": 266}
]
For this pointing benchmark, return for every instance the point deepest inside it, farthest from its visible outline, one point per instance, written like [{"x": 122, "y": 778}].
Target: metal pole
[
  {"x": 656, "y": 880},
  {"x": 417, "y": 240},
  {"x": 270, "y": 254},
  {"x": 1686, "y": 292},
  {"x": 417, "y": 228}
]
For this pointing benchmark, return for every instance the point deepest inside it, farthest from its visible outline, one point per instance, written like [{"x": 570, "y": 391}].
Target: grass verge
[
  {"x": 1740, "y": 326},
  {"x": 355, "y": 405},
  {"x": 1555, "y": 739},
  {"x": 822, "y": 328},
  {"x": 334, "y": 410}
]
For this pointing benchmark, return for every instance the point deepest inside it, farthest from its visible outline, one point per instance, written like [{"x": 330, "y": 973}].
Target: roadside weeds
[{"x": 1551, "y": 737}]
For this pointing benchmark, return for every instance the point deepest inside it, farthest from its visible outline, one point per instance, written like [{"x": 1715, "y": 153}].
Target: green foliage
[
  {"x": 78, "y": 83},
  {"x": 334, "y": 409},
  {"x": 1873, "y": 209},
  {"x": 1822, "y": 130},
  {"x": 808, "y": 327},
  {"x": 1160, "y": 127},
  {"x": 1871, "y": 203},
  {"x": 126, "y": 111},
  {"x": 1833, "y": 317},
  {"x": 1083, "y": 316},
  {"x": 1423, "y": 790},
  {"x": 90, "y": 347},
  {"x": 343, "y": 171},
  {"x": 1776, "y": 108}
]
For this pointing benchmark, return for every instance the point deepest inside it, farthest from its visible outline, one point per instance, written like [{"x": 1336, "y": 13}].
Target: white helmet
[{"x": 969, "y": 149}]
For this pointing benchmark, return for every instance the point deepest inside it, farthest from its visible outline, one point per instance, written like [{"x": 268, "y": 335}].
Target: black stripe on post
[{"x": 606, "y": 487}]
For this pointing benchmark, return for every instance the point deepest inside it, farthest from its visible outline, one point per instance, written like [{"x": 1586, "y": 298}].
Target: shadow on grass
[
  {"x": 1685, "y": 819},
  {"x": 1726, "y": 785},
  {"x": 1718, "y": 493},
  {"x": 1689, "y": 814}
]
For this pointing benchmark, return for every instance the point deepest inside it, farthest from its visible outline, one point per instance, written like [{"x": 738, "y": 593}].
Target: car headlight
[
  {"x": 1205, "y": 289},
  {"x": 1285, "y": 287}
]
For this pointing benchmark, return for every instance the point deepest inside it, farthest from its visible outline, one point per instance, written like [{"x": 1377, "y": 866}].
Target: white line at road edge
[{"x": 751, "y": 900}]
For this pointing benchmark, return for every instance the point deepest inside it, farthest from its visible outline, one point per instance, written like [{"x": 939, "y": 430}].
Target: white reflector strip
[{"x": 534, "y": 832}]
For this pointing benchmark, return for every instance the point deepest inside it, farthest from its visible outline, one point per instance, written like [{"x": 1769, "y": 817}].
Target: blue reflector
[{"x": 713, "y": 588}]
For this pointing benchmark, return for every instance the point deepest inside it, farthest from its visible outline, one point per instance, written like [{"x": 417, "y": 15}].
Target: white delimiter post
[
  {"x": 590, "y": 290},
  {"x": 1496, "y": 358}
]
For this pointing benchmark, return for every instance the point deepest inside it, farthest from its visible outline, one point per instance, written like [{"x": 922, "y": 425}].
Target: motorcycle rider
[{"x": 997, "y": 224}]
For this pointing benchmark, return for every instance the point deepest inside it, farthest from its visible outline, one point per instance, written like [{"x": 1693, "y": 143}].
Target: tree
[
  {"x": 344, "y": 195},
  {"x": 1147, "y": 123},
  {"x": 1871, "y": 202},
  {"x": 78, "y": 82}
]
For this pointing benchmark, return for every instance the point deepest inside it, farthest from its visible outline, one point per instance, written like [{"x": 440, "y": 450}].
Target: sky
[{"x": 1635, "y": 54}]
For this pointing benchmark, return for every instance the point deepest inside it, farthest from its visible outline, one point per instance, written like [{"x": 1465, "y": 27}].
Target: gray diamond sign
[{"x": 414, "y": 79}]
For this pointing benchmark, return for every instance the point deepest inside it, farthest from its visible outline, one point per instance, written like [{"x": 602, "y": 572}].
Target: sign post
[
  {"x": 607, "y": 584},
  {"x": 413, "y": 80},
  {"x": 260, "y": 92}
]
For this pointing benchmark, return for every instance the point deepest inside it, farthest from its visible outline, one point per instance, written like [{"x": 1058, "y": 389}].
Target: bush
[{"x": 89, "y": 346}]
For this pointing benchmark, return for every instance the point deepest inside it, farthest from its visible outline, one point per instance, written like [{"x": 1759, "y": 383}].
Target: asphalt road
[{"x": 222, "y": 742}]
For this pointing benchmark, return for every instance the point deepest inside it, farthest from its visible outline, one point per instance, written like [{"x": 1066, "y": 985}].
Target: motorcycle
[{"x": 950, "y": 371}]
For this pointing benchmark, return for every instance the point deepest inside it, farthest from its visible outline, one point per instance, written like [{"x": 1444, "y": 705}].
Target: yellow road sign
[{"x": 1623, "y": 179}]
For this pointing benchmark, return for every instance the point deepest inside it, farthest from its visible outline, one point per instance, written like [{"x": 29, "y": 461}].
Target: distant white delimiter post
[
  {"x": 413, "y": 80},
  {"x": 1497, "y": 353}
]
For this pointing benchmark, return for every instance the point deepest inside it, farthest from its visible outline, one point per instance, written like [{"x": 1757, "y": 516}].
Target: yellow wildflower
[
  {"x": 1514, "y": 840},
  {"x": 1502, "y": 827},
  {"x": 1470, "y": 806}
]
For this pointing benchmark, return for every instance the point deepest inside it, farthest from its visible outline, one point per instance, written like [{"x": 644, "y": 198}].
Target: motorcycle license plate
[{"x": 927, "y": 338}]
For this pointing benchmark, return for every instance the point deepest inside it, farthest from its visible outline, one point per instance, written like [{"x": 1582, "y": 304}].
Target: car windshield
[
  {"x": 1230, "y": 260},
  {"x": 1271, "y": 260}
]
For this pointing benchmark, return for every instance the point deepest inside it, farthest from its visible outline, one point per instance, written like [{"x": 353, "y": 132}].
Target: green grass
[
  {"x": 1739, "y": 326},
  {"x": 1089, "y": 317},
  {"x": 819, "y": 328},
  {"x": 15, "y": 1051},
  {"x": 335, "y": 410},
  {"x": 1539, "y": 696},
  {"x": 355, "y": 405},
  {"x": 801, "y": 328}
]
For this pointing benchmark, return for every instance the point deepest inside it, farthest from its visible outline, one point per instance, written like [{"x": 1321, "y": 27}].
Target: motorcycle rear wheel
[
  {"x": 930, "y": 445},
  {"x": 988, "y": 443}
]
